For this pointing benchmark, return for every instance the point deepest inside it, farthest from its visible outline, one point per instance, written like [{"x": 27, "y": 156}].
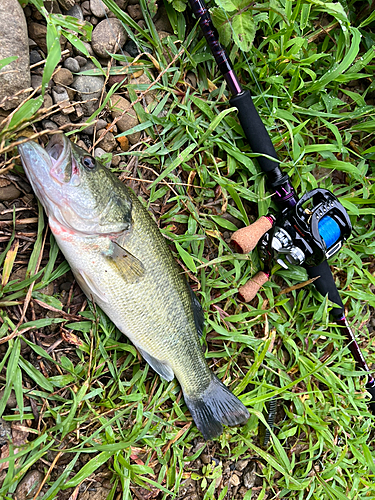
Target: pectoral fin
[
  {"x": 131, "y": 268},
  {"x": 161, "y": 368}
]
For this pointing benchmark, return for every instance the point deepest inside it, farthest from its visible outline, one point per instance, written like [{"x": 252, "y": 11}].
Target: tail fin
[{"x": 216, "y": 406}]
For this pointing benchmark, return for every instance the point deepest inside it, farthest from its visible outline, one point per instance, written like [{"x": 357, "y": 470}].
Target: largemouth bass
[{"x": 122, "y": 263}]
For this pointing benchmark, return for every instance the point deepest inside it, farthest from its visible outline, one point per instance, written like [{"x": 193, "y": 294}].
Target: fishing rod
[{"x": 306, "y": 231}]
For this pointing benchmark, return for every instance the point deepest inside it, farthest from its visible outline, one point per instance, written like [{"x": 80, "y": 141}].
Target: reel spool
[{"x": 311, "y": 232}]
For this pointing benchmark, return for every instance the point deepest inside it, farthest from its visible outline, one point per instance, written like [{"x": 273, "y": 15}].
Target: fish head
[{"x": 75, "y": 189}]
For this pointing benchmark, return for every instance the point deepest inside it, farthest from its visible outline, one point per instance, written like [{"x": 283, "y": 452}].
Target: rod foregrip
[
  {"x": 256, "y": 133},
  {"x": 325, "y": 284}
]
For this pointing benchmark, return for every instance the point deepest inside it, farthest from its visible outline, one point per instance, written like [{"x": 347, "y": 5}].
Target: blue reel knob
[{"x": 329, "y": 230}]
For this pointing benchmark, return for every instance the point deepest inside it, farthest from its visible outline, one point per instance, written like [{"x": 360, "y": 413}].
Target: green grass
[{"x": 311, "y": 73}]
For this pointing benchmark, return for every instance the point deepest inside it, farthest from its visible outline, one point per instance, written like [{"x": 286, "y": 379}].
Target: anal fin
[{"x": 161, "y": 368}]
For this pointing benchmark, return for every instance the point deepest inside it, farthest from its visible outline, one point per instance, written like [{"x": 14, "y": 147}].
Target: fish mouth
[
  {"x": 57, "y": 147},
  {"x": 55, "y": 161},
  {"x": 60, "y": 155},
  {"x": 50, "y": 171}
]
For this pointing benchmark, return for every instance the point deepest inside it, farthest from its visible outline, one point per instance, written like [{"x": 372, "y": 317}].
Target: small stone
[
  {"x": 66, "y": 4},
  {"x": 143, "y": 26},
  {"x": 115, "y": 160},
  {"x": 47, "y": 290},
  {"x": 89, "y": 89},
  {"x": 61, "y": 97},
  {"x": 162, "y": 22},
  {"x": 115, "y": 79},
  {"x": 88, "y": 48},
  {"x": 72, "y": 65},
  {"x": 206, "y": 459},
  {"x": 49, "y": 125},
  {"x": 121, "y": 3},
  {"x": 82, "y": 145},
  {"x": 38, "y": 33},
  {"x": 63, "y": 77},
  {"x": 52, "y": 6},
  {"x": 108, "y": 37},
  {"x": 131, "y": 48},
  {"x": 128, "y": 120},
  {"x": 59, "y": 94},
  {"x": 249, "y": 476},
  {"x": 99, "y": 493},
  {"x": 113, "y": 128},
  {"x": 135, "y": 12},
  {"x": 29, "y": 485},
  {"x": 85, "y": 6},
  {"x": 124, "y": 142},
  {"x": 108, "y": 143},
  {"x": 99, "y": 125},
  {"x": 47, "y": 101},
  {"x": 32, "y": 44},
  {"x": 241, "y": 464},
  {"x": 98, "y": 8},
  {"x": 143, "y": 79},
  {"x": 94, "y": 20},
  {"x": 36, "y": 81},
  {"x": 5, "y": 431},
  {"x": 82, "y": 61},
  {"x": 76, "y": 12},
  {"x": 35, "y": 57},
  {"x": 61, "y": 120},
  {"x": 234, "y": 480},
  {"x": 78, "y": 113},
  {"x": 98, "y": 153},
  {"x": 37, "y": 15},
  {"x": 199, "y": 445},
  {"x": 12, "y": 401}
]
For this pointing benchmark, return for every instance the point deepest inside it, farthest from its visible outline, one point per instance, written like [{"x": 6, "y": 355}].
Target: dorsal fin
[{"x": 198, "y": 312}]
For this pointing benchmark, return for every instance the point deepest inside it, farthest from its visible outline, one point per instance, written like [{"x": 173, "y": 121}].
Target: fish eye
[{"x": 88, "y": 162}]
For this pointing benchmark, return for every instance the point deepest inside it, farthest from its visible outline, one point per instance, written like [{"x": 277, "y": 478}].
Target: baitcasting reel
[
  {"x": 313, "y": 231},
  {"x": 307, "y": 234}
]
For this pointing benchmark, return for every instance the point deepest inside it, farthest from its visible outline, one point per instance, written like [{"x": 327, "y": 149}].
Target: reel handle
[
  {"x": 248, "y": 291},
  {"x": 246, "y": 239}
]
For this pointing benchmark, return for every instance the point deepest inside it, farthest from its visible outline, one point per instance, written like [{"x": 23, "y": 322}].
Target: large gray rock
[{"x": 14, "y": 77}]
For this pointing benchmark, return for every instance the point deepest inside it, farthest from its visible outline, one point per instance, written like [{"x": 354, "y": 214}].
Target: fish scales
[
  {"x": 122, "y": 262},
  {"x": 139, "y": 308}
]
